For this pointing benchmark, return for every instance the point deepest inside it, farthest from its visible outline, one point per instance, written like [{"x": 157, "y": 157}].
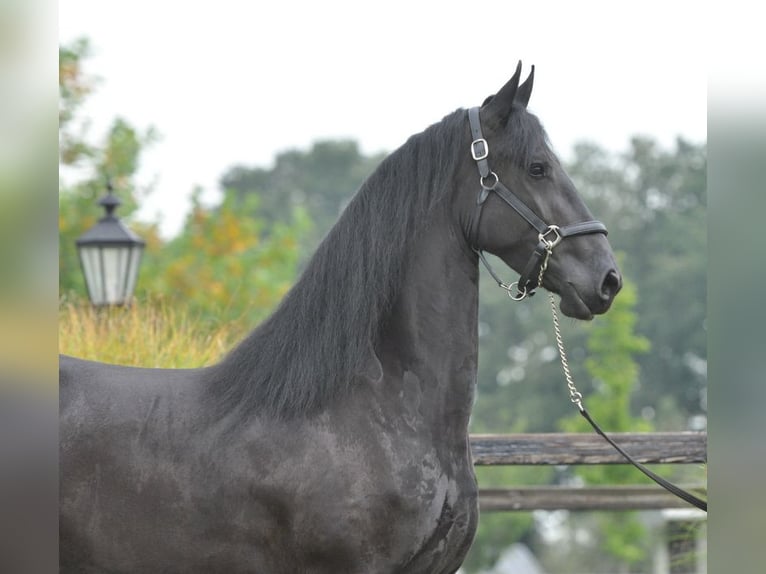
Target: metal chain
[
  {"x": 544, "y": 266},
  {"x": 574, "y": 395}
]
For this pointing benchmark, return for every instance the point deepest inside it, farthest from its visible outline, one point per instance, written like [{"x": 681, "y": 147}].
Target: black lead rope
[
  {"x": 669, "y": 486},
  {"x": 548, "y": 237},
  {"x": 576, "y": 398}
]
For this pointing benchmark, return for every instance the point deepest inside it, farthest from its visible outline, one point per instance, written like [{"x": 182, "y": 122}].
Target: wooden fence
[{"x": 586, "y": 448}]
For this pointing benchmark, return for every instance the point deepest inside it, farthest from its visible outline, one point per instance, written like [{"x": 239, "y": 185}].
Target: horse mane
[{"x": 323, "y": 334}]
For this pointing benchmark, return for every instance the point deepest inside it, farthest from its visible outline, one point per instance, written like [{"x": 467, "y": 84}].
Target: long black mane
[{"x": 324, "y": 331}]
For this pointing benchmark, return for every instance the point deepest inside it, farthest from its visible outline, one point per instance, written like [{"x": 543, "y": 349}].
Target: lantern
[{"x": 110, "y": 255}]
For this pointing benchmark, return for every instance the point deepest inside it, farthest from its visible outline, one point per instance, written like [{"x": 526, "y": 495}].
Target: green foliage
[
  {"x": 498, "y": 530},
  {"x": 78, "y": 204},
  {"x": 224, "y": 266},
  {"x": 227, "y": 264},
  {"x": 612, "y": 345},
  {"x": 320, "y": 180},
  {"x": 116, "y": 158},
  {"x": 654, "y": 203},
  {"x": 74, "y": 87},
  {"x": 519, "y": 379}
]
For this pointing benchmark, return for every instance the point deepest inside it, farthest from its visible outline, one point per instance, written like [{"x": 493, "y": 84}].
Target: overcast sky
[{"x": 235, "y": 82}]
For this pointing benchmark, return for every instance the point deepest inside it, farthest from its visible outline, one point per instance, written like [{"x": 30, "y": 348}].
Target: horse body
[
  {"x": 334, "y": 438},
  {"x": 379, "y": 481},
  {"x": 343, "y": 492}
]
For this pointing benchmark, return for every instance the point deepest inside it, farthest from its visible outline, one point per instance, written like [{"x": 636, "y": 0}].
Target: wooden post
[{"x": 684, "y": 548}]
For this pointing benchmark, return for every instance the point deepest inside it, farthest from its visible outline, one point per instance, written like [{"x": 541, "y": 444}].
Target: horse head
[{"x": 522, "y": 202}]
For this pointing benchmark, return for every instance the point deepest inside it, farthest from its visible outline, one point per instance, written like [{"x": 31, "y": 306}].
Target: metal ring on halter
[
  {"x": 521, "y": 293},
  {"x": 489, "y": 187}
]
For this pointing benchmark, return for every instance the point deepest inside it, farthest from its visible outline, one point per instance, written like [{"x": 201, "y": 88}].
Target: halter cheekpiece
[{"x": 549, "y": 236}]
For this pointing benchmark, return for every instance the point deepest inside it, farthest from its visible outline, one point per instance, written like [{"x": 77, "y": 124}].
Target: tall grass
[{"x": 146, "y": 334}]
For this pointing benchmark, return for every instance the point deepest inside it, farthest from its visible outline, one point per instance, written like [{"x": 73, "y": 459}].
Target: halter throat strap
[{"x": 548, "y": 235}]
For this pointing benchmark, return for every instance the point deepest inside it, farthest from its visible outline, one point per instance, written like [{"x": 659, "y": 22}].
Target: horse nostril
[{"x": 611, "y": 285}]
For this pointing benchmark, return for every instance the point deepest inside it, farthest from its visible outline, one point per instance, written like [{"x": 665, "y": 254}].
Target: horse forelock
[
  {"x": 323, "y": 334},
  {"x": 526, "y": 139}
]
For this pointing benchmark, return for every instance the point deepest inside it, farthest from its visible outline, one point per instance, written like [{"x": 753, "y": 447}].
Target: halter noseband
[{"x": 549, "y": 236}]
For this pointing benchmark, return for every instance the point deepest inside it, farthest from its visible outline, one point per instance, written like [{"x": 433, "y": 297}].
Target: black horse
[{"x": 333, "y": 439}]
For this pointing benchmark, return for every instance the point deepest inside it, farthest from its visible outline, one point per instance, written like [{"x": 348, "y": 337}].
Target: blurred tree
[
  {"x": 496, "y": 532},
  {"x": 321, "y": 180},
  {"x": 654, "y": 203},
  {"x": 226, "y": 267},
  {"x": 519, "y": 379},
  {"x": 227, "y": 264},
  {"x": 613, "y": 373},
  {"x": 499, "y": 530},
  {"x": 74, "y": 87},
  {"x": 117, "y": 157}
]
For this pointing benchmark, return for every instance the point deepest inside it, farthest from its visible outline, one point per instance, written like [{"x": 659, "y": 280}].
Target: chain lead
[{"x": 574, "y": 395}]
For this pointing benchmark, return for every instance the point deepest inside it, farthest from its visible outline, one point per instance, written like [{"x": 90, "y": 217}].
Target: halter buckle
[
  {"x": 550, "y": 244},
  {"x": 475, "y": 153}
]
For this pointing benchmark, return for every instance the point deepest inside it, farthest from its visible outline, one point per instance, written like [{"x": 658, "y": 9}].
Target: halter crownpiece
[{"x": 549, "y": 236}]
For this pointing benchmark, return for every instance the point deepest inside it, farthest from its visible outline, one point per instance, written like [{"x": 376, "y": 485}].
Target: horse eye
[{"x": 537, "y": 170}]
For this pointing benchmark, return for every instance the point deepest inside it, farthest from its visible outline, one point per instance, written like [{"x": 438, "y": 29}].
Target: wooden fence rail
[
  {"x": 585, "y": 448},
  {"x": 588, "y": 448}
]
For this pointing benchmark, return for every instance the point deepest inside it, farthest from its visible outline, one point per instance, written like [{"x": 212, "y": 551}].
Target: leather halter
[{"x": 548, "y": 235}]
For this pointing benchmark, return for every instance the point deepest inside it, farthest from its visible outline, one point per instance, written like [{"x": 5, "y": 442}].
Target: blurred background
[{"x": 235, "y": 134}]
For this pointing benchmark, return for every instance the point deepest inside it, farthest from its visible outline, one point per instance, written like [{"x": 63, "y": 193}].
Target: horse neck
[{"x": 429, "y": 345}]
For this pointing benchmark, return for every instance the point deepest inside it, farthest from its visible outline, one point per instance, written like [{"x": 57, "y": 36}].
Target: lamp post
[{"x": 110, "y": 255}]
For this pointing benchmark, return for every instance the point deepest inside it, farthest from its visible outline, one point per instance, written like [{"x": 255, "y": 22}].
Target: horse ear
[
  {"x": 525, "y": 89},
  {"x": 502, "y": 103}
]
